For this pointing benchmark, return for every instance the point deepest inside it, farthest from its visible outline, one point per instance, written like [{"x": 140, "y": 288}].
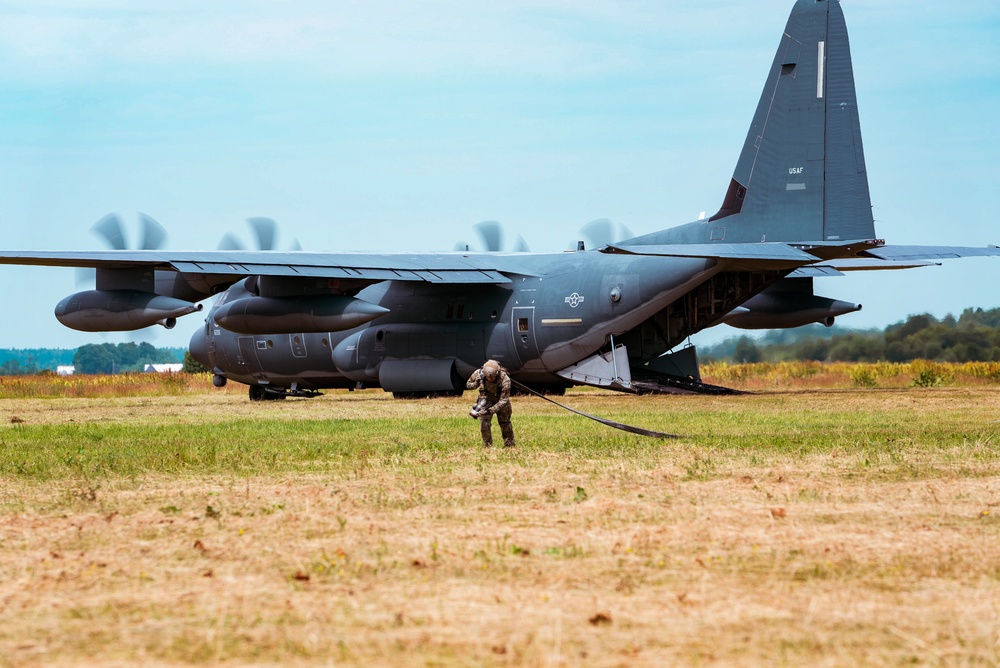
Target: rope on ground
[{"x": 610, "y": 423}]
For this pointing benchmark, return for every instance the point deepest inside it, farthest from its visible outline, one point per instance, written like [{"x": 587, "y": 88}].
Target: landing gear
[{"x": 260, "y": 393}]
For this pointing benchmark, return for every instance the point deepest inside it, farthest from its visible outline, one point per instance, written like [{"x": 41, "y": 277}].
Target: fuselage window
[{"x": 522, "y": 324}]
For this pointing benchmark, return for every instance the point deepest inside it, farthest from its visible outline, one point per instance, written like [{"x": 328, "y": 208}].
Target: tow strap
[{"x": 610, "y": 423}]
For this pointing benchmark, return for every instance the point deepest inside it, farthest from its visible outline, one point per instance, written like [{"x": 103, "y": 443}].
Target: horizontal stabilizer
[
  {"x": 909, "y": 253},
  {"x": 837, "y": 267}
]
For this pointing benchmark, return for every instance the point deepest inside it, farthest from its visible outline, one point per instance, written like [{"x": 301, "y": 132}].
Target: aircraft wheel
[
  {"x": 257, "y": 393},
  {"x": 218, "y": 380}
]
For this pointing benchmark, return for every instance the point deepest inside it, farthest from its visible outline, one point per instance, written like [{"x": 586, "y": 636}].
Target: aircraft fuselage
[{"x": 535, "y": 325}]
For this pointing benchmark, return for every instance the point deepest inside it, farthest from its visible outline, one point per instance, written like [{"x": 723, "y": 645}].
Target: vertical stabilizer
[
  {"x": 802, "y": 170},
  {"x": 801, "y": 175}
]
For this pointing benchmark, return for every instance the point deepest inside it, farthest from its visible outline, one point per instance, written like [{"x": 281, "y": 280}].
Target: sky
[{"x": 397, "y": 126}]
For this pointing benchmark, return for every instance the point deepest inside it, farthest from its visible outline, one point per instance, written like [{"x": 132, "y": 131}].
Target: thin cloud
[{"x": 350, "y": 39}]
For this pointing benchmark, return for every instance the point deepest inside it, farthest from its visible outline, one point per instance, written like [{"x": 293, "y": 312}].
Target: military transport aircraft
[{"x": 292, "y": 323}]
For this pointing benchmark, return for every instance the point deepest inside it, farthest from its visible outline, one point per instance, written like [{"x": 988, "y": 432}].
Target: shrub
[
  {"x": 929, "y": 374},
  {"x": 863, "y": 376}
]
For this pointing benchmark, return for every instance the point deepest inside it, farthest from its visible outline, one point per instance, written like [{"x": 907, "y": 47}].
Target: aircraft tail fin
[{"x": 801, "y": 175}]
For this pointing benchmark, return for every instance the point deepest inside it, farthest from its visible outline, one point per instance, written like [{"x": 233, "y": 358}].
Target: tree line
[
  {"x": 120, "y": 358},
  {"x": 25, "y": 361},
  {"x": 91, "y": 358},
  {"x": 974, "y": 336}
]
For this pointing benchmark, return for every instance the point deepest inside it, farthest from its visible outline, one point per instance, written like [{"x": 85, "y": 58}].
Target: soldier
[{"x": 494, "y": 399}]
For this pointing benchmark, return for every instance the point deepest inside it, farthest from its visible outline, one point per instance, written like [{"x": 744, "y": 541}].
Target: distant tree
[
  {"x": 911, "y": 326},
  {"x": 191, "y": 365},
  {"x": 857, "y": 348},
  {"x": 978, "y": 316},
  {"x": 896, "y": 352},
  {"x": 94, "y": 358},
  {"x": 42, "y": 358},
  {"x": 120, "y": 358},
  {"x": 14, "y": 367},
  {"x": 811, "y": 349},
  {"x": 746, "y": 351}
]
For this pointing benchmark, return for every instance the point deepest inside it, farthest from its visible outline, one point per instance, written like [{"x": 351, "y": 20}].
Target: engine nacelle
[
  {"x": 784, "y": 310},
  {"x": 291, "y": 315},
  {"x": 120, "y": 310}
]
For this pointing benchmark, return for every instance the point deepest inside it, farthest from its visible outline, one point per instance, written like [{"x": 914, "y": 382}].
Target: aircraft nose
[{"x": 199, "y": 348}]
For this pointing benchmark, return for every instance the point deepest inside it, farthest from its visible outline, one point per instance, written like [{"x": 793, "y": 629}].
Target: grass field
[{"x": 809, "y": 527}]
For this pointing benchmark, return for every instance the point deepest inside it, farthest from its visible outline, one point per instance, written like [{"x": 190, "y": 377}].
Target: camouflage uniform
[{"x": 497, "y": 394}]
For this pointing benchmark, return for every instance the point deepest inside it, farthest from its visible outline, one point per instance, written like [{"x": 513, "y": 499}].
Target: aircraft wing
[{"x": 456, "y": 267}]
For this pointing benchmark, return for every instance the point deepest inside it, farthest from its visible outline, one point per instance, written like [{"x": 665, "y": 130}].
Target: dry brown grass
[
  {"x": 703, "y": 551},
  {"x": 829, "y": 375}
]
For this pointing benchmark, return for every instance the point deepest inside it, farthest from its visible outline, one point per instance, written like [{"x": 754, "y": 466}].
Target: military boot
[
  {"x": 508, "y": 434},
  {"x": 487, "y": 431}
]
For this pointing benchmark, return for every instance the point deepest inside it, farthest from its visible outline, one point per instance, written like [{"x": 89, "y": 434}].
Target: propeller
[
  {"x": 491, "y": 234},
  {"x": 111, "y": 229},
  {"x": 603, "y": 231},
  {"x": 265, "y": 232}
]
